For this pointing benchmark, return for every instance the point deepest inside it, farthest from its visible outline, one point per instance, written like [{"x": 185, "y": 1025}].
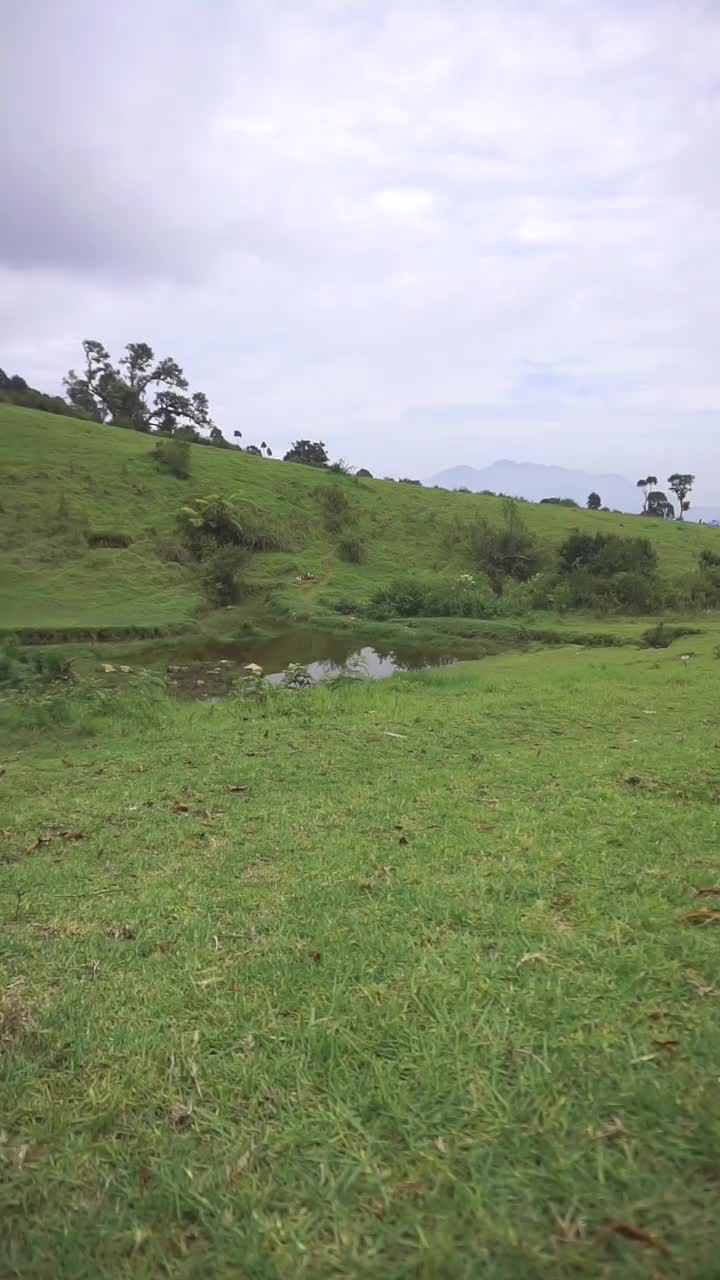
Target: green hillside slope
[{"x": 63, "y": 480}]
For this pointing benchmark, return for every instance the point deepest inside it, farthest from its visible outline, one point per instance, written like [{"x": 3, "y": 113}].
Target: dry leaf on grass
[
  {"x": 638, "y": 1234},
  {"x": 703, "y": 916},
  {"x": 698, "y": 984},
  {"x": 37, "y": 843},
  {"x": 54, "y": 835},
  {"x": 707, "y": 891},
  {"x": 27, "y": 1152},
  {"x": 181, "y": 1116},
  {"x": 120, "y": 932},
  {"x": 181, "y": 808},
  {"x": 233, "y": 787},
  {"x": 13, "y": 1017},
  {"x": 670, "y": 1046},
  {"x": 612, "y": 1130}
]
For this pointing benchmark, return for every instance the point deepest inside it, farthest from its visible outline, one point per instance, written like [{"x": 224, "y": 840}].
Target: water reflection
[{"x": 207, "y": 668}]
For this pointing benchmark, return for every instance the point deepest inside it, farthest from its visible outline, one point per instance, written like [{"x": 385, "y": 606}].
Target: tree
[
  {"x": 312, "y": 452},
  {"x": 659, "y": 505},
  {"x": 139, "y": 392},
  {"x": 364, "y": 474},
  {"x": 646, "y": 485},
  {"x": 594, "y": 502},
  {"x": 680, "y": 484},
  {"x": 558, "y": 502}
]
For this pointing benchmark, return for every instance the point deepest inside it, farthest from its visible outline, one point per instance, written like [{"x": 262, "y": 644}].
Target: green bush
[
  {"x": 507, "y": 550},
  {"x": 610, "y": 574},
  {"x": 106, "y": 538},
  {"x": 466, "y": 596},
  {"x": 173, "y": 456},
  {"x": 605, "y": 554},
  {"x": 22, "y": 668},
  {"x": 662, "y": 635},
  {"x": 335, "y": 507},
  {"x": 352, "y": 550},
  {"x": 207, "y": 524},
  {"x": 222, "y": 580},
  {"x": 616, "y": 593}
]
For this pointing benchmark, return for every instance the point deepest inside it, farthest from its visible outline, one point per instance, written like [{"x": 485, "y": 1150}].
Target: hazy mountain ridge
[{"x": 535, "y": 480}]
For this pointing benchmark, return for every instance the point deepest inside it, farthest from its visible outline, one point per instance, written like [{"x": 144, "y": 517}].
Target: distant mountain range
[{"x": 533, "y": 480}]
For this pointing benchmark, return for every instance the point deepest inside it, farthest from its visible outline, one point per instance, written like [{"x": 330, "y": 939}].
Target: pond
[{"x": 206, "y": 668}]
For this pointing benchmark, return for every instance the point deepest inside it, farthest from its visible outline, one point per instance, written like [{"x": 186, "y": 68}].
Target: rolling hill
[{"x": 64, "y": 483}]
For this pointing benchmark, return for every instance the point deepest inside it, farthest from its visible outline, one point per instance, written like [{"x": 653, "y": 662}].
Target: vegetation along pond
[{"x": 206, "y": 668}]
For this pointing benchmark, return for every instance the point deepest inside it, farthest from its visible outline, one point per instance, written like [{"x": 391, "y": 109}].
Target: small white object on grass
[{"x": 684, "y": 657}]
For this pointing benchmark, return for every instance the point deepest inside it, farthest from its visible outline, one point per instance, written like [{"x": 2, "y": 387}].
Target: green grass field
[
  {"x": 419, "y": 1000},
  {"x": 61, "y": 479}
]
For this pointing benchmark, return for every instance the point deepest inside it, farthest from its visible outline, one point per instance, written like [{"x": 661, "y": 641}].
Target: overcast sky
[{"x": 427, "y": 233}]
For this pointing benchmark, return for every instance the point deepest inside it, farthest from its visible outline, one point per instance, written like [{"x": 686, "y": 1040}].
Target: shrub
[
  {"x": 348, "y": 607},
  {"x": 661, "y": 636},
  {"x": 173, "y": 456},
  {"x": 208, "y": 523},
  {"x": 22, "y": 667},
  {"x": 505, "y": 550},
  {"x": 607, "y": 573},
  {"x": 352, "y": 550},
  {"x": 221, "y": 578},
  {"x": 335, "y": 507},
  {"x": 106, "y": 538},
  {"x": 605, "y": 554},
  {"x": 466, "y": 596},
  {"x": 614, "y": 593}
]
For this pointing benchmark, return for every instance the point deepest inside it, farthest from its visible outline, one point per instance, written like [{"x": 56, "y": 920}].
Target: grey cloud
[{"x": 365, "y": 217}]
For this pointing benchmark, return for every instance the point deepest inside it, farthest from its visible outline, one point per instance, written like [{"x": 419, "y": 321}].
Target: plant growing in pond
[
  {"x": 297, "y": 676},
  {"x": 253, "y": 685}
]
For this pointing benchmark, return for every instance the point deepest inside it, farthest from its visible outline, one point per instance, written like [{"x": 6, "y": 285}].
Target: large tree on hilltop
[
  {"x": 680, "y": 484},
  {"x": 646, "y": 485},
  {"x": 658, "y": 504},
  {"x": 139, "y": 392},
  {"x": 312, "y": 452}
]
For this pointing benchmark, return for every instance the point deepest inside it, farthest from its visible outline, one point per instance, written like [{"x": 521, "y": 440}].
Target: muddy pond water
[{"x": 206, "y": 668}]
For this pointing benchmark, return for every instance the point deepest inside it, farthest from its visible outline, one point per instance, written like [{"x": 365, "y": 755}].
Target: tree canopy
[
  {"x": 312, "y": 452},
  {"x": 594, "y": 502},
  {"x": 646, "y": 485},
  {"x": 139, "y": 392},
  {"x": 659, "y": 505},
  {"x": 680, "y": 484}
]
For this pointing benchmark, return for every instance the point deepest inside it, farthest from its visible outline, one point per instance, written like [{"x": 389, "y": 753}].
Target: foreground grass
[
  {"x": 416, "y": 1002},
  {"x": 64, "y": 480}
]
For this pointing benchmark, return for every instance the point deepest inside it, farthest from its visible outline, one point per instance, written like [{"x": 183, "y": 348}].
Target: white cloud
[{"x": 369, "y": 219}]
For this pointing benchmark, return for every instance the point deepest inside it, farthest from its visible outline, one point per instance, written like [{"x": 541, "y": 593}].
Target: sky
[{"x": 427, "y": 234}]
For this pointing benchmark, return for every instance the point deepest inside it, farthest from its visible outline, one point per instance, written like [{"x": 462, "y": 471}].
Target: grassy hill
[{"x": 63, "y": 480}]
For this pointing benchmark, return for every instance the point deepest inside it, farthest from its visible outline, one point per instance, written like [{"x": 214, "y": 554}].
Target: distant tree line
[
  {"x": 15, "y": 390},
  {"x": 142, "y": 393}
]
